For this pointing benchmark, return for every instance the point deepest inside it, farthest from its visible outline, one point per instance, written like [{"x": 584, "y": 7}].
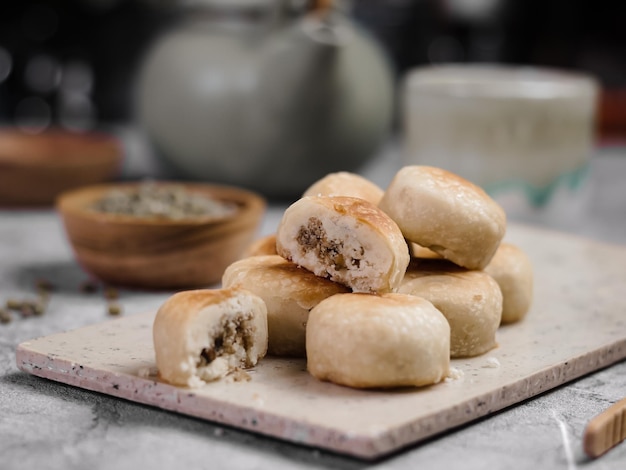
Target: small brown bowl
[
  {"x": 36, "y": 168},
  {"x": 158, "y": 253}
]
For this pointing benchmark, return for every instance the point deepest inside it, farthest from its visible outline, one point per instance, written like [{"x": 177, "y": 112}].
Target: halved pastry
[
  {"x": 346, "y": 239},
  {"x": 202, "y": 335}
]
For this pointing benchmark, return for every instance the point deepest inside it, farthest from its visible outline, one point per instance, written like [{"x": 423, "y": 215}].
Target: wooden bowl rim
[
  {"x": 101, "y": 148},
  {"x": 74, "y": 203}
]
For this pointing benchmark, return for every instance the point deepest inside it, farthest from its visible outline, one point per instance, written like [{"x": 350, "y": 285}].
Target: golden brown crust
[
  {"x": 442, "y": 211},
  {"x": 274, "y": 275},
  {"x": 289, "y": 293},
  {"x": 344, "y": 183},
  {"x": 346, "y": 239},
  {"x": 363, "y": 211},
  {"x": 184, "y": 305}
]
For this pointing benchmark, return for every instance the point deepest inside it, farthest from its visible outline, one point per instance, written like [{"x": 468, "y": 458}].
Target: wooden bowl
[
  {"x": 36, "y": 168},
  {"x": 158, "y": 253}
]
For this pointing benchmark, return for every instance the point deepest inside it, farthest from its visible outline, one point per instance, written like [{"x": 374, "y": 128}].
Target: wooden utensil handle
[
  {"x": 322, "y": 6},
  {"x": 606, "y": 430}
]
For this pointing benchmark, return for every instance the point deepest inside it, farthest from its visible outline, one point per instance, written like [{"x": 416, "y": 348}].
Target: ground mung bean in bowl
[{"x": 160, "y": 235}]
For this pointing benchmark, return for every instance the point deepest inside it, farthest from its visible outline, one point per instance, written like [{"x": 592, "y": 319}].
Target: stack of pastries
[{"x": 374, "y": 288}]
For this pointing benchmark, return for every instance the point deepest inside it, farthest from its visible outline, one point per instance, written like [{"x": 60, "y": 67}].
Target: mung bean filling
[{"x": 167, "y": 201}]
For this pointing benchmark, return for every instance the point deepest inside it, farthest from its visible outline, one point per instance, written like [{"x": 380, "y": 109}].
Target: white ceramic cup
[{"x": 523, "y": 134}]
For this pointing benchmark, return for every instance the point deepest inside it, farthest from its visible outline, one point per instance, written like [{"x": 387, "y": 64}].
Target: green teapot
[{"x": 264, "y": 95}]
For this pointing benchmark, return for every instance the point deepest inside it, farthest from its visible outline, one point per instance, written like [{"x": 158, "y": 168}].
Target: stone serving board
[{"x": 577, "y": 325}]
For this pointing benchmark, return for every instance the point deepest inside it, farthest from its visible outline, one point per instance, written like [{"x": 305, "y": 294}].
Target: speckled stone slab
[{"x": 577, "y": 325}]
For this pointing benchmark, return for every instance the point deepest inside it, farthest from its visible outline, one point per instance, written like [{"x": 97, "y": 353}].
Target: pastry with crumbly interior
[
  {"x": 513, "y": 271},
  {"x": 289, "y": 292},
  {"x": 377, "y": 341},
  {"x": 346, "y": 239},
  {"x": 202, "y": 335},
  {"x": 344, "y": 183},
  {"x": 445, "y": 213},
  {"x": 470, "y": 300}
]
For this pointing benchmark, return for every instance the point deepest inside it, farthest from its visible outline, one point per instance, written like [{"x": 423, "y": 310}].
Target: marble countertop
[{"x": 44, "y": 424}]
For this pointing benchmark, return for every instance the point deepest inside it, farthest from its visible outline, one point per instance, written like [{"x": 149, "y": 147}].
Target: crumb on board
[
  {"x": 147, "y": 372},
  {"x": 491, "y": 363},
  {"x": 453, "y": 374}
]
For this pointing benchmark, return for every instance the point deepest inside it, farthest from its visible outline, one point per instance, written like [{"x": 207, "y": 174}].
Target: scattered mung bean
[
  {"x": 13, "y": 304},
  {"x": 44, "y": 285},
  {"x": 89, "y": 287},
  {"x": 111, "y": 293},
  {"x": 114, "y": 309},
  {"x": 27, "y": 309},
  {"x": 5, "y": 316},
  {"x": 39, "y": 307}
]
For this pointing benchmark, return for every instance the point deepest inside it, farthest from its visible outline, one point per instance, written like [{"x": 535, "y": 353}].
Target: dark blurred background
[{"x": 72, "y": 63}]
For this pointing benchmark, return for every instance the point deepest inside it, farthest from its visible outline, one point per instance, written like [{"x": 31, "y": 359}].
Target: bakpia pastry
[
  {"x": 262, "y": 246},
  {"x": 512, "y": 270},
  {"x": 202, "y": 335},
  {"x": 377, "y": 341},
  {"x": 471, "y": 301},
  {"x": 344, "y": 183},
  {"x": 289, "y": 293},
  {"x": 446, "y": 213},
  {"x": 348, "y": 240}
]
